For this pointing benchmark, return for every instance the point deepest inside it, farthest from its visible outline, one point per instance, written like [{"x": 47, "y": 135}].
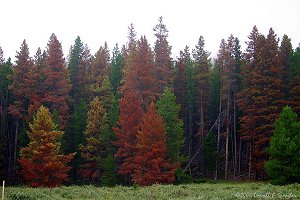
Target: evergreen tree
[
  {"x": 73, "y": 66},
  {"x": 202, "y": 86},
  {"x": 244, "y": 97},
  {"x": 41, "y": 162},
  {"x": 99, "y": 70},
  {"x": 210, "y": 155},
  {"x": 285, "y": 52},
  {"x": 114, "y": 113},
  {"x": 57, "y": 85},
  {"x": 126, "y": 132},
  {"x": 262, "y": 97},
  {"x": 5, "y": 99},
  {"x": 141, "y": 75},
  {"x": 109, "y": 177},
  {"x": 74, "y": 137},
  {"x": 84, "y": 70},
  {"x": 283, "y": 166},
  {"x": 162, "y": 56},
  {"x": 150, "y": 161},
  {"x": 168, "y": 109},
  {"x": 268, "y": 82},
  {"x": 93, "y": 150},
  {"x": 117, "y": 64},
  {"x": 105, "y": 93},
  {"x": 22, "y": 83},
  {"x": 189, "y": 102},
  {"x": 39, "y": 78},
  {"x": 22, "y": 88},
  {"x": 294, "y": 83},
  {"x": 109, "y": 166},
  {"x": 215, "y": 91}
]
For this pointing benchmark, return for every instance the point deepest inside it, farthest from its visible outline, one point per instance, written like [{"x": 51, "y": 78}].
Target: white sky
[{"x": 97, "y": 21}]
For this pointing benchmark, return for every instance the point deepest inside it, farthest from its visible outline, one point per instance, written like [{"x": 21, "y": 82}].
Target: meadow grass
[{"x": 230, "y": 190}]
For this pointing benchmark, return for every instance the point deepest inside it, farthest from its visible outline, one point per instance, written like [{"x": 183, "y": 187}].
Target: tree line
[{"x": 139, "y": 116}]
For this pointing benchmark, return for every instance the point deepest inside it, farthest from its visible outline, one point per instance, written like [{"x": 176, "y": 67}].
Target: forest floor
[{"x": 184, "y": 191}]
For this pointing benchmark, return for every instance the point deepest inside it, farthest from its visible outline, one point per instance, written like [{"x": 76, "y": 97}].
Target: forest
[{"x": 135, "y": 115}]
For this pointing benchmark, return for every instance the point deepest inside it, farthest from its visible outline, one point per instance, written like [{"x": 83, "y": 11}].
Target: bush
[{"x": 182, "y": 178}]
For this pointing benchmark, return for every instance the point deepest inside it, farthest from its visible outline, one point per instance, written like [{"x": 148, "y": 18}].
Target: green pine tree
[
  {"x": 189, "y": 101},
  {"x": 283, "y": 166},
  {"x": 115, "y": 74},
  {"x": 74, "y": 62},
  {"x": 210, "y": 154},
  {"x": 5, "y": 99},
  {"x": 74, "y": 136},
  {"x": 109, "y": 177},
  {"x": 169, "y": 110}
]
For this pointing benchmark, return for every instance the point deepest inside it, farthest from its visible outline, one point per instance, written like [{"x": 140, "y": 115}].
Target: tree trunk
[
  {"x": 227, "y": 136},
  {"x": 218, "y": 138},
  {"x": 250, "y": 161},
  {"x": 240, "y": 155}
]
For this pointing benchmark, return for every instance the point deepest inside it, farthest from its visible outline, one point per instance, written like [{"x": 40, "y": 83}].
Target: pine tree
[
  {"x": 84, "y": 70},
  {"x": 93, "y": 150},
  {"x": 73, "y": 66},
  {"x": 262, "y": 97},
  {"x": 285, "y": 53},
  {"x": 74, "y": 137},
  {"x": 141, "y": 74},
  {"x": 210, "y": 155},
  {"x": 189, "y": 102},
  {"x": 5, "y": 99},
  {"x": 99, "y": 70},
  {"x": 202, "y": 86},
  {"x": 109, "y": 165},
  {"x": 117, "y": 64},
  {"x": 126, "y": 132},
  {"x": 294, "y": 83},
  {"x": 244, "y": 98},
  {"x": 41, "y": 162},
  {"x": 114, "y": 113},
  {"x": 162, "y": 56},
  {"x": 168, "y": 109},
  {"x": 283, "y": 164},
  {"x": 179, "y": 85},
  {"x": 215, "y": 91},
  {"x": 22, "y": 82},
  {"x": 129, "y": 53},
  {"x": 268, "y": 86},
  {"x": 109, "y": 177},
  {"x": 57, "y": 85},
  {"x": 229, "y": 63},
  {"x": 22, "y": 88},
  {"x": 39, "y": 86},
  {"x": 105, "y": 93},
  {"x": 150, "y": 161}
]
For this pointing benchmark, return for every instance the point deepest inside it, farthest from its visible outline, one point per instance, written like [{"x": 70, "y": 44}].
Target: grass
[{"x": 185, "y": 191}]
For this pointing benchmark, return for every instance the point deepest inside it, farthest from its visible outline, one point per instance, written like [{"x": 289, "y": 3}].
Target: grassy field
[{"x": 190, "y": 191}]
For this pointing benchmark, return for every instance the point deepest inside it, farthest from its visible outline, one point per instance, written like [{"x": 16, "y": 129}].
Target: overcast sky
[{"x": 97, "y": 21}]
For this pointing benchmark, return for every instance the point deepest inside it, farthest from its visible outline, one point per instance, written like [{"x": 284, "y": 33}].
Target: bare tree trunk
[
  {"x": 240, "y": 155},
  {"x": 250, "y": 162},
  {"x": 218, "y": 139},
  {"x": 227, "y": 135}
]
